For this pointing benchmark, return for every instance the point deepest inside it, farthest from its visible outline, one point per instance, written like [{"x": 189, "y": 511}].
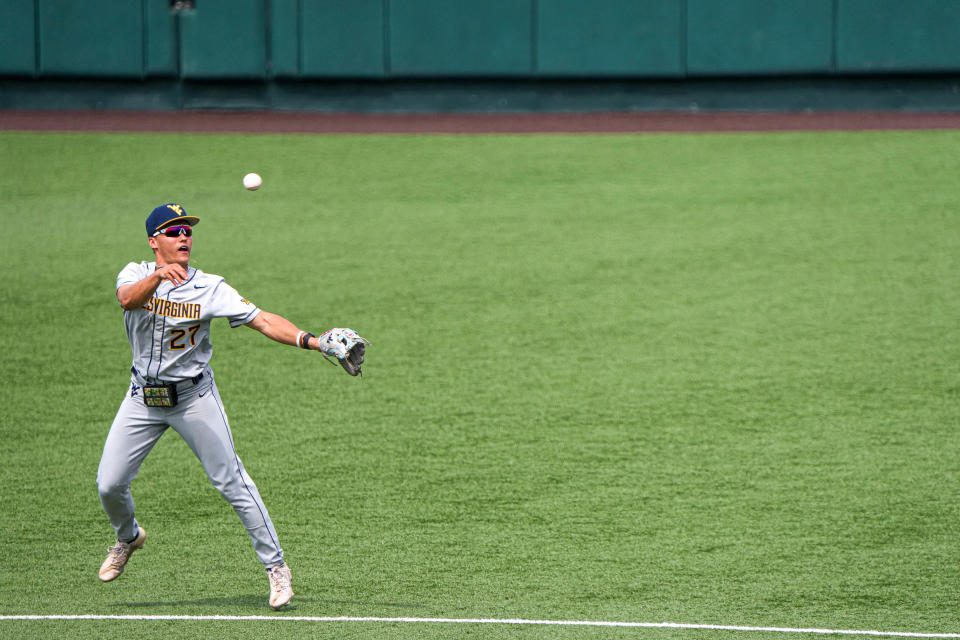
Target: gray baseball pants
[{"x": 201, "y": 421}]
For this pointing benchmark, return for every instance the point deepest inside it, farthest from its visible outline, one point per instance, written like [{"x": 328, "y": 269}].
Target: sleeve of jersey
[
  {"x": 227, "y": 303},
  {"x": 129, "y": 275}
]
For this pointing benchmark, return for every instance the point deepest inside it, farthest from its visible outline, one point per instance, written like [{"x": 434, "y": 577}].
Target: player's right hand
[{"x": 174, "y": 273}]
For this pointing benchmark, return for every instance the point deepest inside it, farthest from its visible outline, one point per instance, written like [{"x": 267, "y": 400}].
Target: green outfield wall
[{"x": 256, "y": 50}]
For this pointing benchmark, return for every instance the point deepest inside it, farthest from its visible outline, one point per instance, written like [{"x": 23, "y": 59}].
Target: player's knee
[
  {"x": 226, "y": 478},
  {"x": 111, "y": 487},
  {"x": 227, "y": 486}
]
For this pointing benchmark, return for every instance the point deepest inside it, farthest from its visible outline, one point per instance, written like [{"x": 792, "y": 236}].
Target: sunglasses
[{"x": 174, "y": 232}]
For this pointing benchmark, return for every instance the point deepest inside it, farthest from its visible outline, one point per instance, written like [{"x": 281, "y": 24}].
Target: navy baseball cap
[{"x": 166, "y": 215}]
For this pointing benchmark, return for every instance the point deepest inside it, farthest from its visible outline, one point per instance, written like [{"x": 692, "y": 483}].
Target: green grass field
[{"x": 689, "y": 378}]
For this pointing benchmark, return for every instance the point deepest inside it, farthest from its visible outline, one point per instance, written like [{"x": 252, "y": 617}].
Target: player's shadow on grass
[
  {"x": 232, "y": 601},
  {"x": 258, "y": 601}
]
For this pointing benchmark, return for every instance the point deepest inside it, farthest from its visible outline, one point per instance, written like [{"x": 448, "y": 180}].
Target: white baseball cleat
[
  {"x": 280, "y": 588},
  {"x": 118, "y": 555}
]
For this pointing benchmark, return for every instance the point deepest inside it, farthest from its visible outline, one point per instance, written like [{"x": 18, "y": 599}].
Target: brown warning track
[{"x": 589, "y": 122}]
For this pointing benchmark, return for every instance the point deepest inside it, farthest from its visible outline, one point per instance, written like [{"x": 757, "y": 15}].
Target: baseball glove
[{"x": 347, "y": 347}]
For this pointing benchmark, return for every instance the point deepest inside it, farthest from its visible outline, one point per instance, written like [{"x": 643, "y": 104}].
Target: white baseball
[{"x": 252, "y": 181}]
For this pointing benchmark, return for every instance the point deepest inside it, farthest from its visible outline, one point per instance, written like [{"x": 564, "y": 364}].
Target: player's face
[{"x": 173, "y": 245}]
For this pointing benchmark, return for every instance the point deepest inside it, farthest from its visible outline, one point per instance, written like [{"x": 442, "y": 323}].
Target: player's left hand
[{"x": 347, "y": 346}]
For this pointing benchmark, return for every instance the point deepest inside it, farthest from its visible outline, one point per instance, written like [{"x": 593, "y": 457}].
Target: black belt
[{"x": 193, "y": 381}]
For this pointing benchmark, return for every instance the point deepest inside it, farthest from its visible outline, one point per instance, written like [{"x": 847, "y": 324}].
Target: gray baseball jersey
[
  {"x": 170, "y": 340},
  {"x": 170, "y": 335}
]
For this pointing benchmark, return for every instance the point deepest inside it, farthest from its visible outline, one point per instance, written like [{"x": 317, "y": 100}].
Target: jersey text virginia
[{"x": 160, "y": 307}]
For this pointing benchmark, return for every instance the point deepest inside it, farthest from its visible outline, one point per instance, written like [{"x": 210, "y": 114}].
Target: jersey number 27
[{"x": 177, "y": 337}]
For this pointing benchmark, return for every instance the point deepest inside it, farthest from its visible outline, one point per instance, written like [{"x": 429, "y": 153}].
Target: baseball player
[{"x": 168, "y": 306}]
